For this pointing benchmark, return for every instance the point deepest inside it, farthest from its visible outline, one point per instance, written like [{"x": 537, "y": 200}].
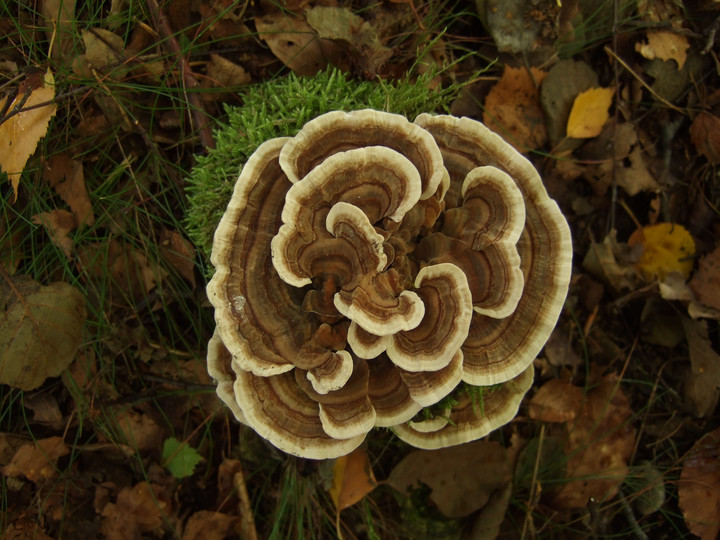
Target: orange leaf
[
  {"x": 352, "y": 479},
  {"x": 589, "y": 113},
  {"x": 512, "y": 108}
]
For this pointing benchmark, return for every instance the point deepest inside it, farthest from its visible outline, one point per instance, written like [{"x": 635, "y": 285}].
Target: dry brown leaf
[
  {"x": 589, "y": 113},
  {"x": 512, "y": 108},
  {"x": 40, "y": 330},
  {"x": 207, "y": 525},
  {"x": 103, "y": 48},
  {"x": 705, "y": 135},
  {"x": 353, "y": 478},
  {"x": 295, "y": 43},
  {"x": 137, "y": 510},
  {"x": 67, "y": 177},
  {"x": 664, "y": 45},
  {"x": 58, "y": 223},
  {"x": 705, "y": 283},
  {"x": 340, "y": 23},
  {"x": 699, "y": 487},
  {"x": 463, "y": 478},
  {"x": 598, "y": 446},
  {"x": 60, "y": 19},
  {"x": 556, "y": 401},
  {"x": 603, "y": 260},
  {"x": 223, "y": 73},
  {"x": 702, "y": 387},
  {"x": 20, "y": 134},
  {"x": 139, "y": 430},
  {"x": 23, "y": 529},
  {"x": 133, "y": 274},
  {"x": 37, "y": 461},
  {"x": 620, "y": 158},
  {"x": 179, "y": 253},
  {"x": 45, "y": 408}
]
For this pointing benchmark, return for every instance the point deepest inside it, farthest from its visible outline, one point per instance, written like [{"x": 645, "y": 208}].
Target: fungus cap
[{"x": 368, "y": 267}]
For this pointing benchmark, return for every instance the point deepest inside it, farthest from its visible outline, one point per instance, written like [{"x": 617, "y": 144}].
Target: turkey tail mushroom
[{"x": 369, "y": 267}]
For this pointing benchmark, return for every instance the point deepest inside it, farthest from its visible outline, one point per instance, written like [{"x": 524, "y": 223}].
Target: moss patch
[{"x": 280, "y": 108}]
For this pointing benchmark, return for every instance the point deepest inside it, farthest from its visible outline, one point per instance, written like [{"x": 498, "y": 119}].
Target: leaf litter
[{"x": 624, "y": 132}]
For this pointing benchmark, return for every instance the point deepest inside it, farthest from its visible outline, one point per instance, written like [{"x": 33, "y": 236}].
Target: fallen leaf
[
  {"x": 139, "y": 430},
  {"x": 20, "y": 134},
  {"x": 512, "y": 108},
  {"x": 462, "y": 478},
  {"x": 556, "y": 401},
  {"x": 705, "y": 135},
  {"x": 179, "y": 253},
  {"x": 352, "y": 479},
  {"x": 37, "y": 461},
  {"x": 619, "y": 157},
  {"x": 44, "y": 407},
  {"x": 40, "y": 330},
  {"x": 132, "y": 274},
  {"x": 207, "y": 525},
  {"x": 667, "y": 247},
  {"x": 589, "y": 113},
  {"x": 699, "y": 487},
  {"x": 60, "y": 19},
  {"x": 224, "y": 73},
  {"x": 137, "y": 510},
  {"x": 180, "y": 458},
  {"x": 22, "y": 529},
  {"x": 665, "y": 45},
  {"x": 598, "y": 446},
  {"x": 103, "y": 48},
  {"x": 295, "y": 43},
  {"x": 705, "y": 283},
  {"x": 58, "y": 223},
  {"x": 603, "y": 260},
  {"x": 702, "y": 387},
  {"x": 517, "y": 26},
  {"x": 339, "y": 23},
  {"x": 563, "y": 83},
  {"x": 67, "y": 177},
  {"x": 558, "y": 349}
]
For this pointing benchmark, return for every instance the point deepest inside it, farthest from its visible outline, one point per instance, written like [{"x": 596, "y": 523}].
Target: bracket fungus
[{"x": 368, "y": 267}]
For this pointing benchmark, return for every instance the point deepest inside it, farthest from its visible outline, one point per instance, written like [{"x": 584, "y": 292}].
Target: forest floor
[{"x": 109, "y": 423}]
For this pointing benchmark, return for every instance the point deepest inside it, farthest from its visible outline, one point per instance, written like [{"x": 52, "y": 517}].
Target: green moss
[
  {"x": 280, "y": 107},
  {"x": 476, "y": 394}
]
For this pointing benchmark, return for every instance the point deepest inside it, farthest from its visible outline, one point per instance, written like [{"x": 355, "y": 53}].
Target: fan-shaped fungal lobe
[{"x": 369, "y": 267}]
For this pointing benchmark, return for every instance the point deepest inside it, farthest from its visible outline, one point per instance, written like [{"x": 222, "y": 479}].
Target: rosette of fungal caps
[{"x": 369, "y": 269}]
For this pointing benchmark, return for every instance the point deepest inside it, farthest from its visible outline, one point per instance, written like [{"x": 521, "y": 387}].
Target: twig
[
  {"x": 641, "y": 81},
  {"x": 20, "y": 108},
  {"x": 528, "y": 522},
  {"x": 630, "y": 516},
  {"x": 247, "y": 520},
  {"x": 711, "y": 36},
  {"x": 197, "y": 111}
]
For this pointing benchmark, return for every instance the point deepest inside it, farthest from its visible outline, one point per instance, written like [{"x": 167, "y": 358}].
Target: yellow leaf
[
  {"x": 667, "y": 247},
  {"x": 20, "y": 134},
  {"x": 352, "y": 479},
  {"x": 665, "y": 45},
  {"x": 589, "y": 113}
]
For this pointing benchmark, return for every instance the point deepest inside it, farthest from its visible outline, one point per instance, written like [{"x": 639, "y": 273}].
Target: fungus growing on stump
[{"x": 368, "y": 267}]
